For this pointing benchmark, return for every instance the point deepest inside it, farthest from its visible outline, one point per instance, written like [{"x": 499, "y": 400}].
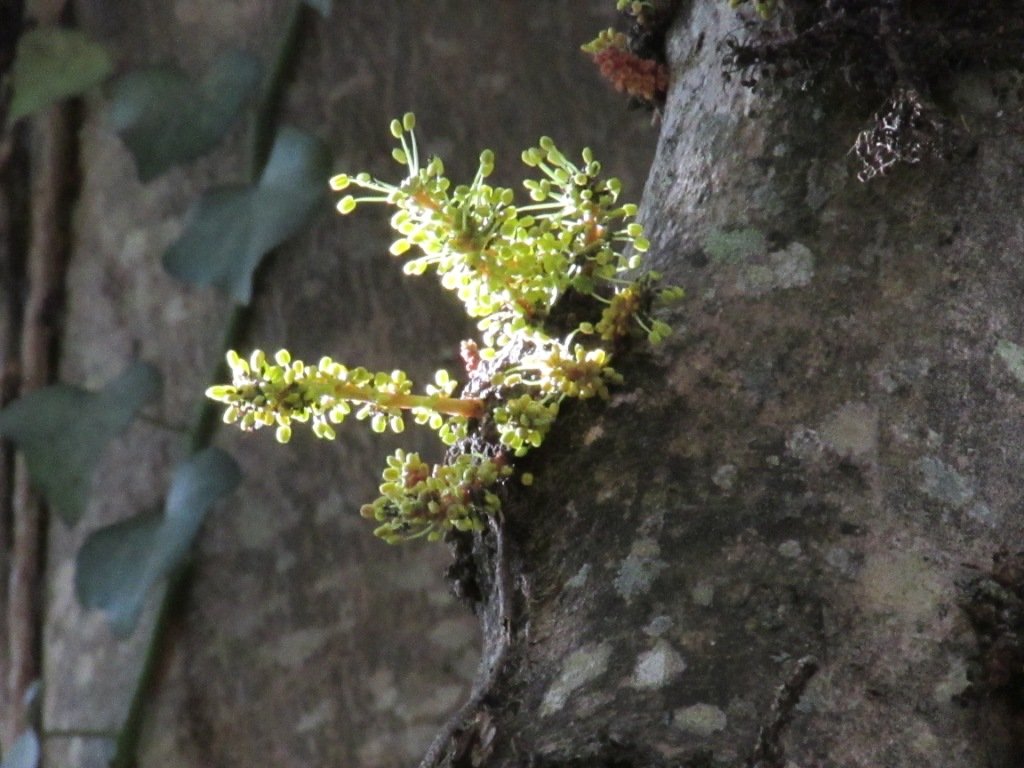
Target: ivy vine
[{"x": 165, "y": 119}]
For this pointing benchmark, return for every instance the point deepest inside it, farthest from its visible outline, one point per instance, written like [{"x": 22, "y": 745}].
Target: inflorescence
[
  {"x": 634, "y": 62},
  {"x": 639, "y": 77},
  {"x": 511, "y": 266}
]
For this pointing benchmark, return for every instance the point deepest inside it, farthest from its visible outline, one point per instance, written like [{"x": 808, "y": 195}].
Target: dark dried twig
[
  {"x": 768, "y": 752},
  {"x": 53, "y": 184},
  {"x": 905, "y": 131},
  {"x": 498, "y": 629}
]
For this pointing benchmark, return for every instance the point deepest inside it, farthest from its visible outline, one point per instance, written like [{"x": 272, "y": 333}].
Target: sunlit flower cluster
[
  {"x": 426, "y": 500},
  {"x": 510, "y": 264}
]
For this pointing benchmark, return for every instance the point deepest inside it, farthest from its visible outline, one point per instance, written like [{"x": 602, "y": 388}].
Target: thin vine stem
[{"x": 206, "y": 421}]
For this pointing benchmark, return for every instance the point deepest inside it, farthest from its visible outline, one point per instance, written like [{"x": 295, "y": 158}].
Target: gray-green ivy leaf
[
  {"x": 166, "y": 119},
  {"x": 24, "y": 753},
  {"x": 323, "y": 7},
  {"x": 53, "y": 63},
  {"x": 119, "y": 564},
  {"x": 62, "y": 431},
  {"x": 230, "y": 229}
]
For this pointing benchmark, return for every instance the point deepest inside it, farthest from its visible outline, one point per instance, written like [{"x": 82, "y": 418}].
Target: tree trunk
[{"x": 756, "y": 552}]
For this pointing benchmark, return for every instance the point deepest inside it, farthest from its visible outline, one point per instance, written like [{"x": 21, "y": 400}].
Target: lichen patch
[
  {"x": 1013, "y": 356},
  {"x": 703, "y": 593},
  {"x": 657, "y": 667},
  {"x": 943, "y": 483},
  {"x": 733, "y": 246},
  {"x": 658, "y": 626},
  {"x": 852, "y": 431},
  {"x": 700, "y": 719},
  {"x": 593, "y": 434},
  {"x": 791, "y": 267},
  {"x": 580, "y": 579},
  {"x": 790, "y": 549},
  {"x": 639, "y": 569},
  {"x": 725, "y": 477},
  {"x": 315, "y": 718},
  {"x": 903, "y": 584},
  {"x": 293, "y": 649},
  {"x": 581, "y": 667},
  {"x": 953, "y": 684}
]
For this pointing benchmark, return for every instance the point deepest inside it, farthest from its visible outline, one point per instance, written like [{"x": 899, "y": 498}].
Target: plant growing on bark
[
  {"x": 642, "y": 78},
  {"x": 549, "y": 284},
  {"x": 634, "y": 63}
]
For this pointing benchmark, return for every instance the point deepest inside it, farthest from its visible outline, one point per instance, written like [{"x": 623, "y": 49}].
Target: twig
[
  {"x": 10, "y": 318},
  {"x": 502, "y": 622},
  {"x": 128, "y": 737},
  {"x": 768, "y": 752},
  {"x": 264, "y": 120},
  {"x": 206, "y": 420},
  {"x": 53, "y": 182}
]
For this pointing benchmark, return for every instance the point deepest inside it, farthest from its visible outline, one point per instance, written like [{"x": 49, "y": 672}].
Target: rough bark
[{"x": 754, "y": 553}]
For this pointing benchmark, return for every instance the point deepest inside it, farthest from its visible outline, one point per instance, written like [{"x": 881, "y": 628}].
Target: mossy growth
[{"x": 512, "y": 266}]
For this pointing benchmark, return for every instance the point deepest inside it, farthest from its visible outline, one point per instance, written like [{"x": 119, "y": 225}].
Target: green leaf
[
  {"x": 323, "y": 7},
  {"x": 52, "y": 63},
  {"x": 119, "y": 564},
  {"x": 166, "y": 119},
  {"x": 62, "y": 431},
  {"x": 230, "y": 229}
]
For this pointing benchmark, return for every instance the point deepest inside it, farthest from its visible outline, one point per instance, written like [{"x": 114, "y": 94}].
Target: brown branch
[
  {"x": 52, "y": 183},
  {"x": 8, "y": 354},
  {"x": 500, "y": 633},
  {"x": 768, "y": 752}
]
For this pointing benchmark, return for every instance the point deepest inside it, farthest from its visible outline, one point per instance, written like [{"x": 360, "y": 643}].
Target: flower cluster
[
  {"x": 524, "y": 421},
  {"x": 426, "y": 500},
  {"x": 510, "y": 264},
  {"x": 265, "y": 393},
  {"x": 641, "y": 78}
]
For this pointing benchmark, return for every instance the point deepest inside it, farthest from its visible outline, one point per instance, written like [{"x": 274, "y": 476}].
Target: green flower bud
[
  {"x": 222, "y": 393},
  {"x": 487, "y": 161},
  {"x": 400, "y": 246}
]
